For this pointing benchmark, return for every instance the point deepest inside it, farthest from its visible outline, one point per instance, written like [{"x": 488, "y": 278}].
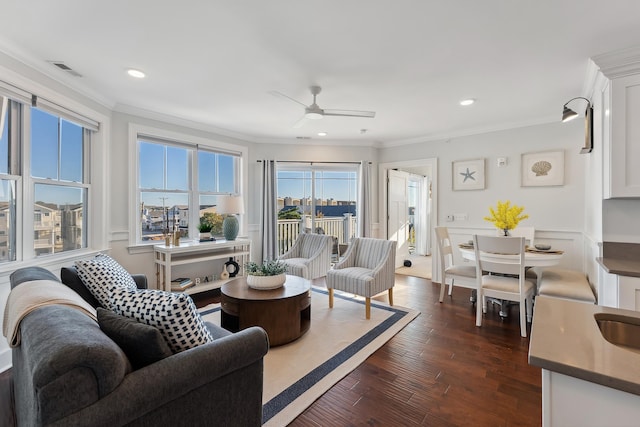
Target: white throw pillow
[
  {"x": 102, "y": 275},
  {"x": 173, "y": 314}
]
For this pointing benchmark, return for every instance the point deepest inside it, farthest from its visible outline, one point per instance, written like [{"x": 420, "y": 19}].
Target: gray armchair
[
  {"x": 310, "y": 256},
  {"x": 367, "y": 269}
]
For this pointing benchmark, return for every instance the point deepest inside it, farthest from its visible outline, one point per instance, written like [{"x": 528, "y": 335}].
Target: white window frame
[
  {"x": 135, "y": 130},
  {"x": 97, "y": 161}
]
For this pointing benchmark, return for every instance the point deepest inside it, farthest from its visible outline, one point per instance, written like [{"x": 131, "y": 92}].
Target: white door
[{"x": 398, "y": 213}]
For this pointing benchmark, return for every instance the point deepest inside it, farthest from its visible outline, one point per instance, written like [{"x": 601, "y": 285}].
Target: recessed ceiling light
[
  {"x": 322, "y": 134},
  {"x": 466, "y": 102},
  {"x": 135, "y": 73}
]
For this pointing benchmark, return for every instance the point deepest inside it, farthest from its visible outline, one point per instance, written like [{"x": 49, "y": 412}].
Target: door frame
[{"x": 382, "y": 184}]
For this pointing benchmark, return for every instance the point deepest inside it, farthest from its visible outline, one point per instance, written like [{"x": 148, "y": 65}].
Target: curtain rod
[{"x": 306, "y": 161}]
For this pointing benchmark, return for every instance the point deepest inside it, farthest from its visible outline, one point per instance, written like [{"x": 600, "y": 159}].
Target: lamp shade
[
  {"x": 230, "y": 205},
  {"x": 568, "y": 114}
]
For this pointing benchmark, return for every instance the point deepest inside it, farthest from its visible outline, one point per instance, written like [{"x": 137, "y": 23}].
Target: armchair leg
[
  {"x": 390, "y": 296},
  {"x": 331, "y": 298},
  {"x": 368, "y": 308}
]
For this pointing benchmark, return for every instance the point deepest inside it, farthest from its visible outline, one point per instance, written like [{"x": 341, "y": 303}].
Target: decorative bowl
[
  {"x": 541, "y": 247},
  {"x": 266, "y": 282}
]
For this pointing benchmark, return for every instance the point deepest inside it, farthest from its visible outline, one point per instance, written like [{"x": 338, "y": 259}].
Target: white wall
[{"x": 549, "y": 208}]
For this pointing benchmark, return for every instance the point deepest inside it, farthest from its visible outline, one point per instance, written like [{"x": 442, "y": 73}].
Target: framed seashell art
[{"x": 543, "y": 168}]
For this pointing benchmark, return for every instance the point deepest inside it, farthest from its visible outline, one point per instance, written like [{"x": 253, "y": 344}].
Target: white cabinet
[
  {"x": 622, "y": 150},
  {"x": 619, "y": 291},
  {"x": 569, "y": 401},
  {"x": 188, "y": 252}
]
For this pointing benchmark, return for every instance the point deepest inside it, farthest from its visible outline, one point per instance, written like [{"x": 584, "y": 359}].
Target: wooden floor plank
[{"x": 440, "y": 370}]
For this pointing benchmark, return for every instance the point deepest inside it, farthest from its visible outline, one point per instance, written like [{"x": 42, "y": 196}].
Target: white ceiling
[{"x": 411, "y": 61}]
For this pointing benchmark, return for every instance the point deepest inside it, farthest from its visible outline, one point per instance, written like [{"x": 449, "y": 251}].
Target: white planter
[{"x": 266, "y": 282}]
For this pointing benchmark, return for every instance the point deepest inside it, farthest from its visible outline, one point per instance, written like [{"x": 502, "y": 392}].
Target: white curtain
[
  {"x": 364, "y": 200},
  {"x": 269, "y": 219},
  {"x": 421, "y": 218}
]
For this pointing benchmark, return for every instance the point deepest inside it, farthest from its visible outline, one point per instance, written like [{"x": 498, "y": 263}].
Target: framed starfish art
[{"x": 468, "y": 174}]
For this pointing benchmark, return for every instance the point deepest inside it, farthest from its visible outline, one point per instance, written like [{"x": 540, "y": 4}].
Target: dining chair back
[
  {"x": 527, "y": 232},
  {"x": 452, "y": 274},
  {"x": 500, "y": 270}
]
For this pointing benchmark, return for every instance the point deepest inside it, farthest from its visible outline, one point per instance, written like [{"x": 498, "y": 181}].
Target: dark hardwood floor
[{"x": 440, "y": 370}]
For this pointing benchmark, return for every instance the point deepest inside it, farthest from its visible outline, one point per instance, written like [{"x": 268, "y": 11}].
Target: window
[
  {"x": 178, "y": 186},
  {"x": 60, "y": 191},
  {"x": 43, "y": 175},
  {"x": 318, "y": 198}
]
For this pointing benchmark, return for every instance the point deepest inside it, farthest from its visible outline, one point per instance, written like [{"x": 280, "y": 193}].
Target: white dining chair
[
  {"x": 527, "y": 232},
  {"x": 453, "y": 274},
  {"x": 503, "y": 278}
]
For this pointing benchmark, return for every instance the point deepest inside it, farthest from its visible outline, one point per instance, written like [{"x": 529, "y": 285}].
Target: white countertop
[{"x": 565, "y": 338}]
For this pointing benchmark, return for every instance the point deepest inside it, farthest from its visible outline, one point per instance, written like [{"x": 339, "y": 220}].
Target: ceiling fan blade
[
  {"x": 282, "y": 95},
  {"x": 301, "y": 122},
  {"x": 350, "y": 113}
]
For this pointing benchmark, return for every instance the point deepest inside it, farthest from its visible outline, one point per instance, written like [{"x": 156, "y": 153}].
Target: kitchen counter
[
  {"x": 566, "y": 339},
  {"x": 621, "y": 258}
]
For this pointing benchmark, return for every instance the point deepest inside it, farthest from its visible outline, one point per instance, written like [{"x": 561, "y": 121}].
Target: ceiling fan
[{"x": 314, "y": 112}]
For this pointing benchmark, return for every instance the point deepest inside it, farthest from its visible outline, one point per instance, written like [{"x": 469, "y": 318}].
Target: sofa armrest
[
  {"x": 141, "y": 281},
  {"x": 219, "y": 383}
]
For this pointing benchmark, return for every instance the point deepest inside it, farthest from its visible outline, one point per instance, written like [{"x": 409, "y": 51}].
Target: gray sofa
[{"x": 67, "y": 372}]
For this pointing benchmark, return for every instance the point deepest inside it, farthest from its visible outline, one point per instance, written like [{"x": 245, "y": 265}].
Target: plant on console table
[
  {"x": 204, "y": 227},
  {"x": 270, "y": 275},
  {"x": 506, "y": 217}
]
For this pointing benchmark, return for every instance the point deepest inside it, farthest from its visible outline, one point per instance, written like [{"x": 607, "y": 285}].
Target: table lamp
[{"x": 230, "y": 206}]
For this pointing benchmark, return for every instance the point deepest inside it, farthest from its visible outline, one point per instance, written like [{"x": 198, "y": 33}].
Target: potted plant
[
  {"x": 270, "y": 275},
  {"x": 205, "y": 229}
]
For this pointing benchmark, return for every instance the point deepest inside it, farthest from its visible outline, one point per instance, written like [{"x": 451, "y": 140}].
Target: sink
[{"x": 623, "y": 331}]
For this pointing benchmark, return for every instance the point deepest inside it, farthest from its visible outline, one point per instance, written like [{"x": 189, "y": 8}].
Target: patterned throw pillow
[
  {"x": 102, "y": 275},
  {"x": 173, "y": 314}
]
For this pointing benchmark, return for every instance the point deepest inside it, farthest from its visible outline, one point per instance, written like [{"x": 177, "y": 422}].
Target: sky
[{"x": 337, "y": 185}]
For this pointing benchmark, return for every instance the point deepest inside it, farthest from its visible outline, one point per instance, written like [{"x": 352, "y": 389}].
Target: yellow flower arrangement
[{"x": 505, "y": 216}]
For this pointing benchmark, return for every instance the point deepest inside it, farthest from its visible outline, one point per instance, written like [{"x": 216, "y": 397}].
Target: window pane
[
  {"x": 161, "y": 212},
  {"x": 209, "y": 215},
  {"x": 7, "y": 221},
  {"x": 4, "y": 135},
  {"x": 58, "y": 218},
  {"x": 44, "y": 144},
  {"x": 322, "y": 201},
  {"x": 207, "y": 172},
  {"x": 227, "y": 174},
  {"x": 151, "y": 166},
  {"x": 177, "y": 168},
  {"x": 71, "y": 152}
]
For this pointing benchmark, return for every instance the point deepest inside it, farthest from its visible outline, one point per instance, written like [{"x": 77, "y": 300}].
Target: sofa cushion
[
  {"x": 174, "y": 314},
  {"x": 102, "y": 275},
  {"x": 69, "y": 276},
  {"x": 143, "y": 344}
]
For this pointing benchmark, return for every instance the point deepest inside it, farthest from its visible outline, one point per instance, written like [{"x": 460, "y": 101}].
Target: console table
[{"x": 189, "y": 252}]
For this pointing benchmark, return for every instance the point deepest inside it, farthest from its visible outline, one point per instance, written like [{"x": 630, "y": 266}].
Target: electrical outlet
[
  {"x": 449, "y": 218},
  {"x": 460, "y": 217}
]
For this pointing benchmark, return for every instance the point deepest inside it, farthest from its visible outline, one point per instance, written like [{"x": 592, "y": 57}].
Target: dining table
[{"x": 533, "y": 258}]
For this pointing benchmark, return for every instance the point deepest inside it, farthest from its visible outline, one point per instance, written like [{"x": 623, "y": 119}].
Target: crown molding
[{"x": 619, "y": 63}]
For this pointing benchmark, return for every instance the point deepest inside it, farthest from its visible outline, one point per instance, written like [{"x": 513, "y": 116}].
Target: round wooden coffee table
[{"x": 284, "y": 313}]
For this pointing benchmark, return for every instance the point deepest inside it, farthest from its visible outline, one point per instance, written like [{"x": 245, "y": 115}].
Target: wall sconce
[{"x": 569, "y": 114}]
